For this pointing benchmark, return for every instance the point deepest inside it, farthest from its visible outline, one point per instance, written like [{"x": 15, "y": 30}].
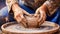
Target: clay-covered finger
[{"x": 37, "y": 12}]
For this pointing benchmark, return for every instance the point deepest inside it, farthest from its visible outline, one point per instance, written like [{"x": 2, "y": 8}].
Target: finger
[
  {"x": 24, "y": 24},
  {"x": 21, "y": 20},
  {"x": 36, "y": 13},
  {"x": 22, "y": 16},
  {"x": 42, "y": 19},
  {"x": 18, "y": 19},
  {"x": 40, "y": 22}
]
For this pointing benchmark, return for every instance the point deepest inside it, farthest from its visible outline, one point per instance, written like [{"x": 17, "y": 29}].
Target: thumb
[
  {"x": 22, "y": 16},
  {"x": 37, "y": 12}
]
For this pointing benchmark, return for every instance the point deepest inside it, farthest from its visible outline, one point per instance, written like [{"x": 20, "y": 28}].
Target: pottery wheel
[{"x": 46, "y": 27}]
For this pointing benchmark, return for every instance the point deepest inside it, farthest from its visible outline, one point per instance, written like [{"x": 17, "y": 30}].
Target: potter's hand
[
  {"x": 19, "y": 14},
  {"x": 18, "y": 11},
  {"x": 40, "y": 11}
]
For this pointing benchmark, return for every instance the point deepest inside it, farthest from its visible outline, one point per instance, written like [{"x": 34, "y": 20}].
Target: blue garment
[
  {"x": 4, "y": 12},
  {"x": 54, "y": 18}
]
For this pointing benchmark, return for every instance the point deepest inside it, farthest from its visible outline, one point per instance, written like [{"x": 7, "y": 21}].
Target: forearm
[
  {"x": 43, "y": 8},
  {"x": 51, "y": 7},
  {"x": 15, "y": 7}
]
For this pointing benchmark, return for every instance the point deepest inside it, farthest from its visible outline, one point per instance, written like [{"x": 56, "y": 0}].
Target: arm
[
  {"x": 16, "y": 8},
  {"x": 52, "y": 7},
  {"x": 48, "y": 8},
  {"x": 18, "y": 11}
]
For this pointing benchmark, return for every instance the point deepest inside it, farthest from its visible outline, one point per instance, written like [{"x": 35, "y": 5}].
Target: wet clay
[{"x": 32, "y": 21}]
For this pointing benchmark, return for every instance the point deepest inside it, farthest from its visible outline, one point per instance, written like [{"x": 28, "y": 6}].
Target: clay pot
[
  {"x": 14, "y": 28},
  {"x": 32, "y": 21}
]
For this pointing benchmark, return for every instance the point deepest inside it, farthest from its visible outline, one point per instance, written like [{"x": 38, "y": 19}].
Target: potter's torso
[
  {"x": 34, "y": 4},
  {"x": 52, "y": 7}
]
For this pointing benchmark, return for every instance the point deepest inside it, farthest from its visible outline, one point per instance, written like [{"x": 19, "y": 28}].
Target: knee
[
  {"x": 3, "y": 15},
  {"x": 4, "y": 12}
]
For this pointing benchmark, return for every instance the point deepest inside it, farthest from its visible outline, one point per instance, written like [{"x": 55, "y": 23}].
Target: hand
[
  {"x": 19, "y": 14},
  {"x": 42, "y": 14}
]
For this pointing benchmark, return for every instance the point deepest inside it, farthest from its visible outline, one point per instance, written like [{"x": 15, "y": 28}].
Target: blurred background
[{"x": 2, "y": 3}]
